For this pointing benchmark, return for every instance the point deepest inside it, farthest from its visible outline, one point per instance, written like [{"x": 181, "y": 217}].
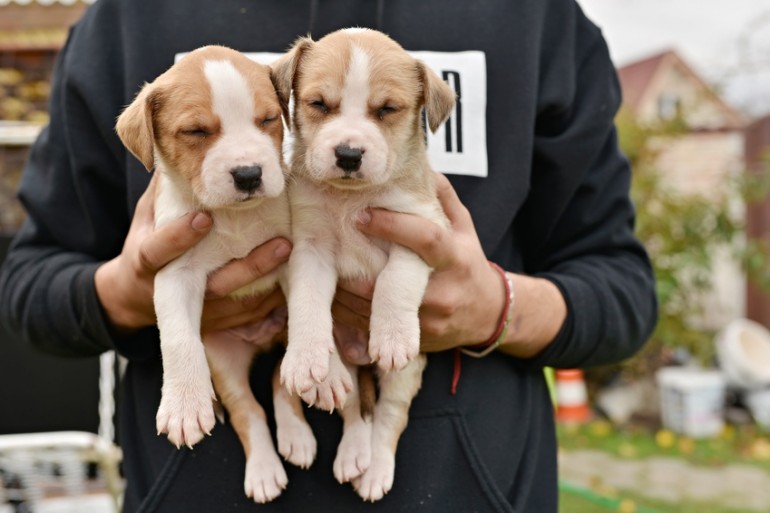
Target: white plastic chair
[{"x": 48, "y": 472}]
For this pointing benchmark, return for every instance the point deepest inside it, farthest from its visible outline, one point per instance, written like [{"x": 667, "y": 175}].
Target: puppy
[
  {"x": 211, "y": 126},
  {"x": 359, "y": 143}
]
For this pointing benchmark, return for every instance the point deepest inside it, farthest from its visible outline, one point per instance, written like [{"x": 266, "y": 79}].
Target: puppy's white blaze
[
  {"x": 355, "y": 93},
  {"x": 240, "y": 144},
  {"x": 352, "y": 127},
  {"x": 232, "y": 101}
]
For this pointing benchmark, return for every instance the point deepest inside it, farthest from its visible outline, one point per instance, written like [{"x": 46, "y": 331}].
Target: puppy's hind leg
[
  {"x": 296, "y": 442},
  {"x": 354, "y": 453},
  {"x": 391, "y": 413},
  {"x": 230, "y": 359}
]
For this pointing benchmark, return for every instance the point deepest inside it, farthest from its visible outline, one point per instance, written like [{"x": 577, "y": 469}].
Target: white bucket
[
  {"x": 692, "y": 400},
  {"x": 743, "y": 350}
]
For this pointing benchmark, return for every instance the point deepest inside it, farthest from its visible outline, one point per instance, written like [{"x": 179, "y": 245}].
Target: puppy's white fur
[
  {"x": 210, "y": 116},
  {"x": 358, "y": 91}
]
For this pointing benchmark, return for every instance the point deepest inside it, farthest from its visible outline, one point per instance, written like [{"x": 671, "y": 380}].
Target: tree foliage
[{"x": 683, "y": 233}]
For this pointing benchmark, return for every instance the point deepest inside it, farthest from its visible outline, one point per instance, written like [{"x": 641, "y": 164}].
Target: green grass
[
  {"x": 580, "y": 501},
  {"x": 745, "y": 444}
]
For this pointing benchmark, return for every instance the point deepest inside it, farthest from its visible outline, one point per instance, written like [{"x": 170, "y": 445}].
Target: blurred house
[
  {"x": 758, "y": 215},
  {"x": 700, "y": 161}
]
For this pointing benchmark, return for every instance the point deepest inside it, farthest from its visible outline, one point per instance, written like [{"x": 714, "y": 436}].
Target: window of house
[{"x": 668, "y": 106}]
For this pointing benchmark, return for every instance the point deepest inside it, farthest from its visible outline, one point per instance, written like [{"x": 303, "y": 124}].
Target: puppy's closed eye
[
  {"x": 385, "y": 110},
  {"x": 196, "y": 131},
  {"x": 319, "y": 105},
  {"x": 266, "y": 121}
]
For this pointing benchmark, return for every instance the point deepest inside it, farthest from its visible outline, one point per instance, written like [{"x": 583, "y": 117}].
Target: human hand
[
  {"x": 221, "y": 312},
  {"x": 125, "y": 284},
  {"x": 464, "y": 297}
]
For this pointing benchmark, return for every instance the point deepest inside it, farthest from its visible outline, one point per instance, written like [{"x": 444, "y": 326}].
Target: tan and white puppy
[
  {"x": 359, "y": 143},
  {"x": 211, "y": 126}
]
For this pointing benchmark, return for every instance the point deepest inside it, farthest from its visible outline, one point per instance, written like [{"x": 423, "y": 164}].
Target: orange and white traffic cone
[{"x": 571, "y": 396}]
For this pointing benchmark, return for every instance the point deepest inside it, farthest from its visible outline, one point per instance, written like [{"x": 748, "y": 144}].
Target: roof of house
[{"x": 637, "y": 77}]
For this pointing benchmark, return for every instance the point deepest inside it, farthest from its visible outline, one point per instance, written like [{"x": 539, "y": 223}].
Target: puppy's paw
[
  {"x": 354, "y": 453},
  {"x": 186, "y": 412},
  {"x": 297, "y": 444},
  {"x": 394, "y": 341},
  {"x": 373, "y": 484},
  {"x": 304, "y": 367},
  {"x": 333, "y": 391},
  {"x": 265, "y": 477}
]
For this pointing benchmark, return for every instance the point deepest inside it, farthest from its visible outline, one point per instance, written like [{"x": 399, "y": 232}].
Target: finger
[
  {"x": 271, "y": 307},
  {"x": 232, "y": 321},
  {"x": 424, "y": 237},
  {"x": 360, "y": 288},
  {"x": 359, "y": 304},
  {"x": 257, "y": 305},
  {"x": 261, "y": 261},
  {"x": 353, "y": 344},
  {"x": 344, "y": 316},
  {"x": 450, "y": 202},
  {"x": 173, "y": 239}
]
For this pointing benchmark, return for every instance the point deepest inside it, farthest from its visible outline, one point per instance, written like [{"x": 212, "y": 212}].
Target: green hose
[{"x": 601, "y": 500}]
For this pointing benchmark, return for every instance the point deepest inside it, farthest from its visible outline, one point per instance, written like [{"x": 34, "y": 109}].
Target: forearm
[
  {"x": 591, "y": 311},
  {"x": 611, "y": 307},
  {"x": 48, "y": 300},
  {"x": 539, "y": 312}
]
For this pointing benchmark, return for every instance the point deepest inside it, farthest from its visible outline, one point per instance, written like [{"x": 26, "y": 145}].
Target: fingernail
[
  {"x": 201, "y": 222},
  {"x": 364, "y": 216},
  {"x": 282, "y": 250},
  {"x": 357, "y": 354}
]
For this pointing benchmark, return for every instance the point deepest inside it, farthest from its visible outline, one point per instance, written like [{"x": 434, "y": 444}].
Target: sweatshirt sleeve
[
  {"x": 578, "y": 216},
  {"x": 74, "y": 191}
]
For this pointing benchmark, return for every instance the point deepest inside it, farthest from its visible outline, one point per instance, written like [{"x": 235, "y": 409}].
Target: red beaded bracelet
[{"x": 483, "y": 349}]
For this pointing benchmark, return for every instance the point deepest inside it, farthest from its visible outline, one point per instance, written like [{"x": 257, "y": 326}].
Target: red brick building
[{"x": 758, "y": 214}]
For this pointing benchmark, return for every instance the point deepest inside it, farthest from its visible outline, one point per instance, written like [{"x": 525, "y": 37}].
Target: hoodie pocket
[
  {"x": 438, "y": 467},
  {"x": 438, "y": 470}
]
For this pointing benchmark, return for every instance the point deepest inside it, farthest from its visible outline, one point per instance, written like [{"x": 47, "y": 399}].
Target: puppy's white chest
[{"x": 358, "y": 256}]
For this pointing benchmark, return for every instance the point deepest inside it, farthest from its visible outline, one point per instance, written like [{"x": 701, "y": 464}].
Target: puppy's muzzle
[
  {"x": 348, "y": 159},
  {"x": 247, "y": 178}
]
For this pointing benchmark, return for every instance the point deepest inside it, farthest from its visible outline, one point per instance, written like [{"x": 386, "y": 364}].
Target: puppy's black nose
[
  {"x": 348, "y": 159},
  {"x": 247, "y": 178}
]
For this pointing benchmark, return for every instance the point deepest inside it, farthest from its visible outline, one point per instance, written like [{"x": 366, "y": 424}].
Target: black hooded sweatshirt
[{"x": 534, "y": 157}]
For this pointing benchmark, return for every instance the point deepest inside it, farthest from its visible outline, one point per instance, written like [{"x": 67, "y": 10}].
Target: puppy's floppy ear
[
  {"x": 438, "y": 96},
  {"x": 283, "y": 71},
  {"x": 135, "y": 128}
]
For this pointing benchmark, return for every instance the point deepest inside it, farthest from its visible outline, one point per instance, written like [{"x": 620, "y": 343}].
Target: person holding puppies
[{"x": 535, "y": 184}]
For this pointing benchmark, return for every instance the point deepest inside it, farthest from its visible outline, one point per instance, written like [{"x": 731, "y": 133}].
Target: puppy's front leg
[
  {"x": 312, "y": 282},
  {"x": 185, "y": 410},
  {"x": 394, "y": 324}
]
